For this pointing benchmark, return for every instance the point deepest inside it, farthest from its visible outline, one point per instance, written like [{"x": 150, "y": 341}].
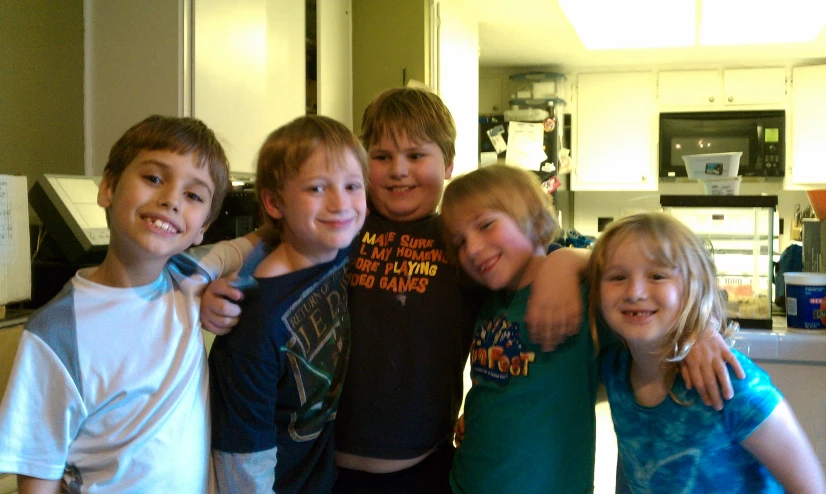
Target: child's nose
[
  {"x": 169, "y": 198},
  {"x": 636, "y": 289},
  {"x": 335, "y": 200},
  {"x": 399, "y": 167}
]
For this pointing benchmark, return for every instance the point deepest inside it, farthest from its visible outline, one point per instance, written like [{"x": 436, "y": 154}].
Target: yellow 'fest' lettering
[{"x": 493, "y": 358}]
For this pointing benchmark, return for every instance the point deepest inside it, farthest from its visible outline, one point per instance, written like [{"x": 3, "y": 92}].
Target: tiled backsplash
[{"x": 587, "y": 206}]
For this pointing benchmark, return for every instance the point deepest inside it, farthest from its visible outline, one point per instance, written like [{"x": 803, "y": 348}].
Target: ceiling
[{"x": 535, "y": 33}]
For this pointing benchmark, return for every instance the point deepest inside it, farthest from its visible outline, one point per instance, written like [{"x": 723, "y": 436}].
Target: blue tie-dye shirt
[{"x": 689, "y": 448}]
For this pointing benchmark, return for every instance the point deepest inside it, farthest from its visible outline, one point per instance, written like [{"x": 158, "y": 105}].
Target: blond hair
[
  {"x": 664, "y": 239},
  {"x": 287, "y": 148},
  {"x": 416, "y": 113},
  {"x": 513, "y": 191}
]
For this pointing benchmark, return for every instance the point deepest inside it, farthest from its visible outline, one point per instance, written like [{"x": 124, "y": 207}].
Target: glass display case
[{"x": 739, "y": 232}]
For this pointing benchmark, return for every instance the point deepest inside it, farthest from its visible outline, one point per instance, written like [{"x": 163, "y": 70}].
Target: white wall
[
  {"x": 458, "y": 67},
  {"x": 335, "y": 60},
  {"x": 249, "y": 71}
]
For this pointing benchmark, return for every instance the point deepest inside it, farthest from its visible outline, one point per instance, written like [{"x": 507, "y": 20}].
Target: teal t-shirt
[{"x": 529, "y": 416}]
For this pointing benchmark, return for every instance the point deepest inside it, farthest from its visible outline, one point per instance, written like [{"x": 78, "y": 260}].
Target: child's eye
[
  {"x": 315, "y": 188},
  {"x": 486, "y": 224},
  {"x": 417, "y": 156},
  {"x": 615, "y": 277},
  {"x": 152, "y": 179},
  {"x": 379, "y": 157},
  {"x": 355, "y": 186},
  {"x": 193, "y": 196}
]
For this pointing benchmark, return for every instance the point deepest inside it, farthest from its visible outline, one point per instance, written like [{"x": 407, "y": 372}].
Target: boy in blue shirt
[
  {"x": 276, "y": 380},
  {"x": 108, "y": 392}
]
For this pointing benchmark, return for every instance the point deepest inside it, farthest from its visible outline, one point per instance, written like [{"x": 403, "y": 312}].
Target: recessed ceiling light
[
  {"x": 744, "y": 22},
  {"x": 612, "y": 24}
]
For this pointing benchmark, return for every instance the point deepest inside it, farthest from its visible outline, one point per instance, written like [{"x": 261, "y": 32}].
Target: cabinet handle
[
  {"x": 711, "y": 99},
  {"x": 730, "y": 99}
]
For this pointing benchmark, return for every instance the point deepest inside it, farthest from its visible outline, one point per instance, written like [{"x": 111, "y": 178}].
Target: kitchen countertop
[{"x": 782, "y": 343}]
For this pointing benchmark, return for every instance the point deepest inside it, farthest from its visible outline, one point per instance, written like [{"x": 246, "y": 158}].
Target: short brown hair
[
  {"x": 287, "y": 148},
  {"x": 513, "y": 191},
  {"x": 181, "y": 135},
  {"x": 416, "y": 113}
]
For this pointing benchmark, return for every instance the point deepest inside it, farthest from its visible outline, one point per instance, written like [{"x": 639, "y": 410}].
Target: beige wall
[
  {"x": 388, "y": 37},
  {"x": 41, "y": 87}
]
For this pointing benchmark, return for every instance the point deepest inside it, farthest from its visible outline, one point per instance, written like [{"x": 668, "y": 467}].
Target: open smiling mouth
[{"x": 161, "y": 224}]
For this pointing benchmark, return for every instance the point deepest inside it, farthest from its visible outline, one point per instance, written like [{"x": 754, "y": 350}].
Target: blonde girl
[{"x": 655, "y": 285}]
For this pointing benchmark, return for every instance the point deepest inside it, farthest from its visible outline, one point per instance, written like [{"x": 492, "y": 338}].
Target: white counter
[
  {"x": 782, "y": 344},
  {"x": 796, "y": 361}
]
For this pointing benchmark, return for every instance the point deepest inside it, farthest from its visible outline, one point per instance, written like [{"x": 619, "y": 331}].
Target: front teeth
[{"x": 163, "y": 225}]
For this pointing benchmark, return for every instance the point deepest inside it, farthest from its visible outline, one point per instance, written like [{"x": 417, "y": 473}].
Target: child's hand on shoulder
[
  {"x": 459, "y": 431},
  {"x": 704, "y": 369},
  {"x": 555, "y": 309},
  {"x": 219, "y": 306}
]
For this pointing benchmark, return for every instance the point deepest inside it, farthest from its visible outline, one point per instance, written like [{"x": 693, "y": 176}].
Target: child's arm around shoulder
[
  {"x": 704, "y": 369},
  {"x": 554, "y": 310},
  {"x": 34, "y": 485},
  {"x": 780, "y": 444}
]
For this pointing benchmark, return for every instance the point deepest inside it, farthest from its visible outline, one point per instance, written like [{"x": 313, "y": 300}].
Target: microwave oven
[{"x": 759, "y": 135}]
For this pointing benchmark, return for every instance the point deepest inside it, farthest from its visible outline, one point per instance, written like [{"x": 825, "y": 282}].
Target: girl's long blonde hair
[{"x": 666, "y": 240}]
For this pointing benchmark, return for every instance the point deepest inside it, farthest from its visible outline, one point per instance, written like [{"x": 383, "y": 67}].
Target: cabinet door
[
  {"x": 689, "y": 88},
  {"x": 614, "y": 133},
  {"x": 808, "y": 125},
  {"x": 754, "y": 86}
]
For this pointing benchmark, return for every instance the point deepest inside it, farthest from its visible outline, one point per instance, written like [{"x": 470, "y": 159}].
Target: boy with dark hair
[{"x": 109, "y": 388}]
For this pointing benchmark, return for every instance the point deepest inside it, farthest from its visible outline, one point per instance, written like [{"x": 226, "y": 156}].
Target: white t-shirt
[{"x": 109, "y": 387}]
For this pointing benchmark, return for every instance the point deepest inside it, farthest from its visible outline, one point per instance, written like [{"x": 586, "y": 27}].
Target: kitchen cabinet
[
  {"x": 689, "y": 88},
  {"x": 754, "y": 86},
  {"x": 722, "y": 89},
  {"x": 614, "y": 132},
  {"x": 807, "y": 125}
]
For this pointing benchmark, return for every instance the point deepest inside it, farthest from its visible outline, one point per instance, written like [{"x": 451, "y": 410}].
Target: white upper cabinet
[
  {"x": 754, "y": 86},
  {"x": 722, "y": 89},
  {"x": 689, "y": 88},
  {"x": 807, "y": 162},
  {"x": 614, "y": 132}
]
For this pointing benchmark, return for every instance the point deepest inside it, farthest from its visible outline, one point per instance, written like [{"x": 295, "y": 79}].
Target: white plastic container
[
  {"x": 722, "y": 186},
  {"x": 712, "y": 165}
]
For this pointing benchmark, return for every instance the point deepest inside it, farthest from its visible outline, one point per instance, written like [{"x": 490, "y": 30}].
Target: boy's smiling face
[
  {"x": 406, "y": 177},
  {"x": 159, "y": 206},
  {"x": 322, "y": 208}
]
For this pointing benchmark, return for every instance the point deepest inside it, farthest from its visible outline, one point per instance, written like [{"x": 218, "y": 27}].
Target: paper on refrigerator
[
  {"x": 15, "y": 260},
  {"x": 525, "y": 145}
]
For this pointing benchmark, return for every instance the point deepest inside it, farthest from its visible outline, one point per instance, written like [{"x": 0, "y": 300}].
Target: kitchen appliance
[
  {"x": 535, "y": 97},
  {"x": 742, "y": 232},
  {"x": 759, "y": 135},
  {"x": 814, "y": 245}
]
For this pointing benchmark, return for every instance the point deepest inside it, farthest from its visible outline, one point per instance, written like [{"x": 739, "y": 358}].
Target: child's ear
[
  {"x": 448, "y": 170},
  {"x": 200, "y": 237},
  {"x": 105, "y": 191},
  {"x": 270, "y": 203}
]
